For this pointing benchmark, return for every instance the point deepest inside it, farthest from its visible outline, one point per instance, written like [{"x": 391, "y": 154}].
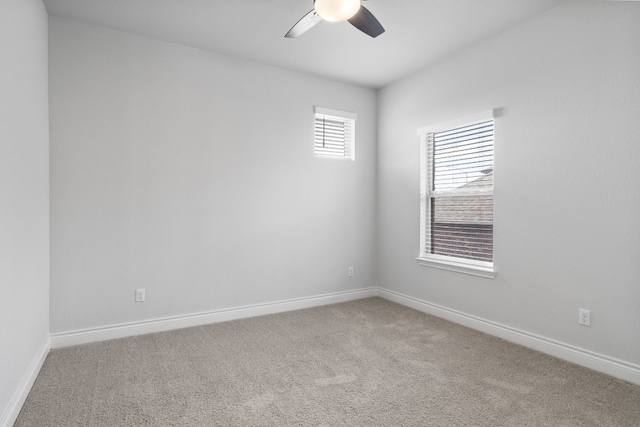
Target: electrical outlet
[
  {"x": 139, "y": 295},
  {"x": 351, "y": 273},
  {"x": 584, "y": 317}
]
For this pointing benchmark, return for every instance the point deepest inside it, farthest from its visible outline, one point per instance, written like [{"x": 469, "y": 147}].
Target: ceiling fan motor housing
[{"x": 336, "y": 10}]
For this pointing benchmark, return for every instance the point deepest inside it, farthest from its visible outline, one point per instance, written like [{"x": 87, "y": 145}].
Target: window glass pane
[
  {"x": 462, "y": 226},
  {"x": 333, "y": 136},
  {"x": 462, "y": 156}
]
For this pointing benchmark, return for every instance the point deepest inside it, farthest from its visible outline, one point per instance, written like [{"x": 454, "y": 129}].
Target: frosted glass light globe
[{"x": 336, "y": 10}]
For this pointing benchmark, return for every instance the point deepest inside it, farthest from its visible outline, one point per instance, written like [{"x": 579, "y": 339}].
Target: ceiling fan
[{"x": 337, "y": 11}]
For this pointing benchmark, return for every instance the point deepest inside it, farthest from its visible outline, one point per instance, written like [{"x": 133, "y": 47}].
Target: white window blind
[
  {"x": 334, "y": 133},
  {"x": 457, "y": 192}
]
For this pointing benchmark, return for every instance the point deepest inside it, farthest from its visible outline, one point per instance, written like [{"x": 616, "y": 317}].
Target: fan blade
[
  {"x": 304, "y": 24},
  {"x": 366, "y": 22}
]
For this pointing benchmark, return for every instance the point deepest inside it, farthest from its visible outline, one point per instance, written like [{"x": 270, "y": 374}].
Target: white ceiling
[{"x": 418, "y": 32}]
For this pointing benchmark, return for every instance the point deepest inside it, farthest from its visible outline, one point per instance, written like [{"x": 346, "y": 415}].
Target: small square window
[{"x": 334, "y": 133}]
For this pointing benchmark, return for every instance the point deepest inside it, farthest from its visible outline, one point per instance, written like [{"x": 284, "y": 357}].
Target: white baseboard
[
  {"x": 21, "y": 393},
  {"x": 84, "y": 336},
  {"x": 598, "y": 362}
]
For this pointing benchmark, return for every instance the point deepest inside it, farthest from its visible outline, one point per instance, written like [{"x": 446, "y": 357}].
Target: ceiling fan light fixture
[{"x": 336, "y": 10}]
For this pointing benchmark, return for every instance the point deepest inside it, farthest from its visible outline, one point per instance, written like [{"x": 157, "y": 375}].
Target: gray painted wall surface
[
  {"x": 24, "y": 194},
  {"x": 567, "y": 150},
  {"x": 192, "y": 175}
]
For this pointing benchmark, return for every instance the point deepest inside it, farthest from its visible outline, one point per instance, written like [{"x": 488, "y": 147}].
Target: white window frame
[
  {"x": 461, "y": 265},
  {"x": 348, "y": 118}
]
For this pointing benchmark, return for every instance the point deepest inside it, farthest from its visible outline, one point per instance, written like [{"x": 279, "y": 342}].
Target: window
[
  {"x": 456, "y": 201},
  {"x": 334, "y": 133}
]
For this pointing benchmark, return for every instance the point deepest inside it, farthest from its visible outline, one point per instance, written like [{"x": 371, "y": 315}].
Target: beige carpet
[{"x": 364, "y": 363}]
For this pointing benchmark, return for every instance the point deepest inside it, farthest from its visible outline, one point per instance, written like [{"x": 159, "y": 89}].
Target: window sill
[{"x": 481, "y": 269}]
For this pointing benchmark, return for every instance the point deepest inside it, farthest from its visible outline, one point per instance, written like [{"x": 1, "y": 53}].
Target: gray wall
[
  {"x": 567, "y": 146},
  {"x": 192, "y": 175},
  {"x": 24, "y": 198}
]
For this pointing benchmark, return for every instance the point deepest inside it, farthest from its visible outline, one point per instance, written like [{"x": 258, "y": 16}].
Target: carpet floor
[{"x": 369, "y": 362}]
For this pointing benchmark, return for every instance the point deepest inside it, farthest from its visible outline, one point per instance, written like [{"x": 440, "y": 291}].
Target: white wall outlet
[
  {"x": 584, "y": 317},
  {"x": 139, "y": 295},
  {"x": 351, "y": 273}
]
